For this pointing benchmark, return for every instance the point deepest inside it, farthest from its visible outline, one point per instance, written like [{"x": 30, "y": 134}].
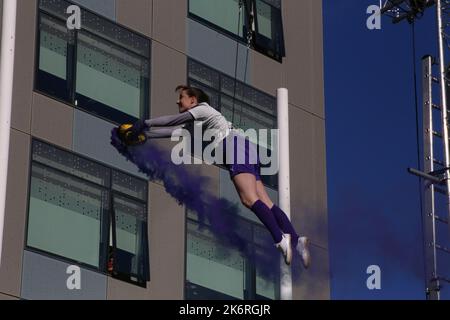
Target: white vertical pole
[
  {"x": 284, "y": 191},
  {"x": 6, "y": 90}
]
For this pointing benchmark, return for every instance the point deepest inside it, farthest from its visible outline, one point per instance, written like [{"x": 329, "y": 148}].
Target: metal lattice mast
[
  {"x": 429, "y": 214},
  {"x": 436, "y": 176}
]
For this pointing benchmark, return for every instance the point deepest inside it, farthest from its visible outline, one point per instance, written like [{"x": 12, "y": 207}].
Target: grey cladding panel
[
  {"x": 218, "y": 51},
  {"x": 92, "y": 138},
  {"x": 44, "y": 278}
]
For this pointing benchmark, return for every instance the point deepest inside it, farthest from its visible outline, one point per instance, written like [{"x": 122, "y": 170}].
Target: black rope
[
  {"x": 237, "y": 58},
  {"x": 416, "y": 100},
  {"x": 245, "y": 80}
]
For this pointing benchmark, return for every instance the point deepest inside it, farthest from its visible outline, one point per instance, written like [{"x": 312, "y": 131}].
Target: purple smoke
[{"x": 191, "y": 190}]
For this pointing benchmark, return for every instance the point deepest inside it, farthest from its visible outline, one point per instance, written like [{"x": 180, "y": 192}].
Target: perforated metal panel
[{"x": 70, "y": 163}]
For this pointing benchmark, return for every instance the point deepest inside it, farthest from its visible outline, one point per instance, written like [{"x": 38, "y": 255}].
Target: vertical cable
[
  {"x": 416, "y": 101},
  {"x": 237, "y": 57}
]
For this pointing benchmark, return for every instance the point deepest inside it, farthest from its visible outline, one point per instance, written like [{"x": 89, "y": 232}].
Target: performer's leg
[
  {"x": 300, "y": 244},
  {"x": 244, "y": 176},
  {"x": 245, "y": 184},
  {"x": 262, "y": 194},
  {"x": 281, "y": 217}
]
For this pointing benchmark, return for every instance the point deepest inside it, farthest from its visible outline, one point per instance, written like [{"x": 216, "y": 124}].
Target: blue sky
[{"x": 374, "y": 209}]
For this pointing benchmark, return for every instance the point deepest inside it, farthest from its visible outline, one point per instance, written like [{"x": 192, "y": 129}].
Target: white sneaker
[
  {"x": 285, "y": 247},
  {"x": 303, "y": 251}
]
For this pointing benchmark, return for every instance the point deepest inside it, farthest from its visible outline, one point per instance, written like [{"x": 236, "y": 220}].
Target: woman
[{"x": 193, "y": 105}]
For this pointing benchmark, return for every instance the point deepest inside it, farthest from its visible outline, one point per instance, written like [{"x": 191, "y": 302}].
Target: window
[
  {"x": 87, "y": 213},
  {"x": 130, "y": 240},
  {"x": 233, "y": 17},
  {"x": 245, "y": 107},
  {"x": 102, "y": 68},
  {"x": 225, "y": 14},
  {"x": 269, "y": 37},
  {"x": 55, "y": 43},
  {"x": 215, "y": 272}
]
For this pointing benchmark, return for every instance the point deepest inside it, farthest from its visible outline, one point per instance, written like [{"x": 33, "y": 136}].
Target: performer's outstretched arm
[
  {"x": 142, "y": 126},
  {"x": 170, "y": 121},
  {"x": 155, "y": 133}
]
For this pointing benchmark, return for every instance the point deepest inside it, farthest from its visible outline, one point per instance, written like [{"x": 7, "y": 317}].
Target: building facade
[{"x": 75, "y": 206}]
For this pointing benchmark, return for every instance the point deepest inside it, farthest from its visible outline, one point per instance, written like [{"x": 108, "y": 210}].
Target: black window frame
[
  {"x": 71, "y": 97},
  {"x": 108, "y": 221},
  {"x": 274, "y": 49}
]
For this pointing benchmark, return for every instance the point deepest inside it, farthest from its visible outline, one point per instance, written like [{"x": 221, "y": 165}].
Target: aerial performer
[{"x": 194, "y": 109}]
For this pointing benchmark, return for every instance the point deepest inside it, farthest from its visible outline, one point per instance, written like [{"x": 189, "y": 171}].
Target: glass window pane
[
  {"x": 264, "y": 16},
  {"x": 54, "y": 44},
  {"x": 111, "y": 76},
  {"x": 213, "y": 266},
  {"x": 65, "y": 216},
  {"x": 53, "y": 47},
  {"x": 131, "y": 239},
  {"x": 223, "y": 13}
]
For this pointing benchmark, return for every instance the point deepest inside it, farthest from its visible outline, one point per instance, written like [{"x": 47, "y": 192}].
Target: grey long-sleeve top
[
  {"x": 166, "y": 121},
  {"x": 170, "y": 121},
  {"x": 210, "y": 119}
]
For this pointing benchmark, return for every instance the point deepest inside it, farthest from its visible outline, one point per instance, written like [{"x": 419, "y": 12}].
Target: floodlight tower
[{"x": 435, "y": 182}]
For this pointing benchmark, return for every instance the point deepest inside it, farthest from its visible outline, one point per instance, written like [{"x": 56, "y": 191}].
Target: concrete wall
[
  {"x": 24, "y": 65},
  {"x": 15, "y": 217}
]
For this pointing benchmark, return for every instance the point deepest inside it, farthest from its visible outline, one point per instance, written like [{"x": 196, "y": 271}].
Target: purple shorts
[{"x": 246, "y": 159}]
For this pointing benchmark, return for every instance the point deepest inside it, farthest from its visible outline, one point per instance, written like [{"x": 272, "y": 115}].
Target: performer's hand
[{"x": 137, "y": 128}]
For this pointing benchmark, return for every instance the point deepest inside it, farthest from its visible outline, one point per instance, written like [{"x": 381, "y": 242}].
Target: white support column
[
  {"x": 284, "y": 185},
  {"x": 6, "y": 90}
]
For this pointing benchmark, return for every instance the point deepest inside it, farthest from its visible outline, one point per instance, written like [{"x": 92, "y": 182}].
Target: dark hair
[{"x": 194, "y": 92}]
